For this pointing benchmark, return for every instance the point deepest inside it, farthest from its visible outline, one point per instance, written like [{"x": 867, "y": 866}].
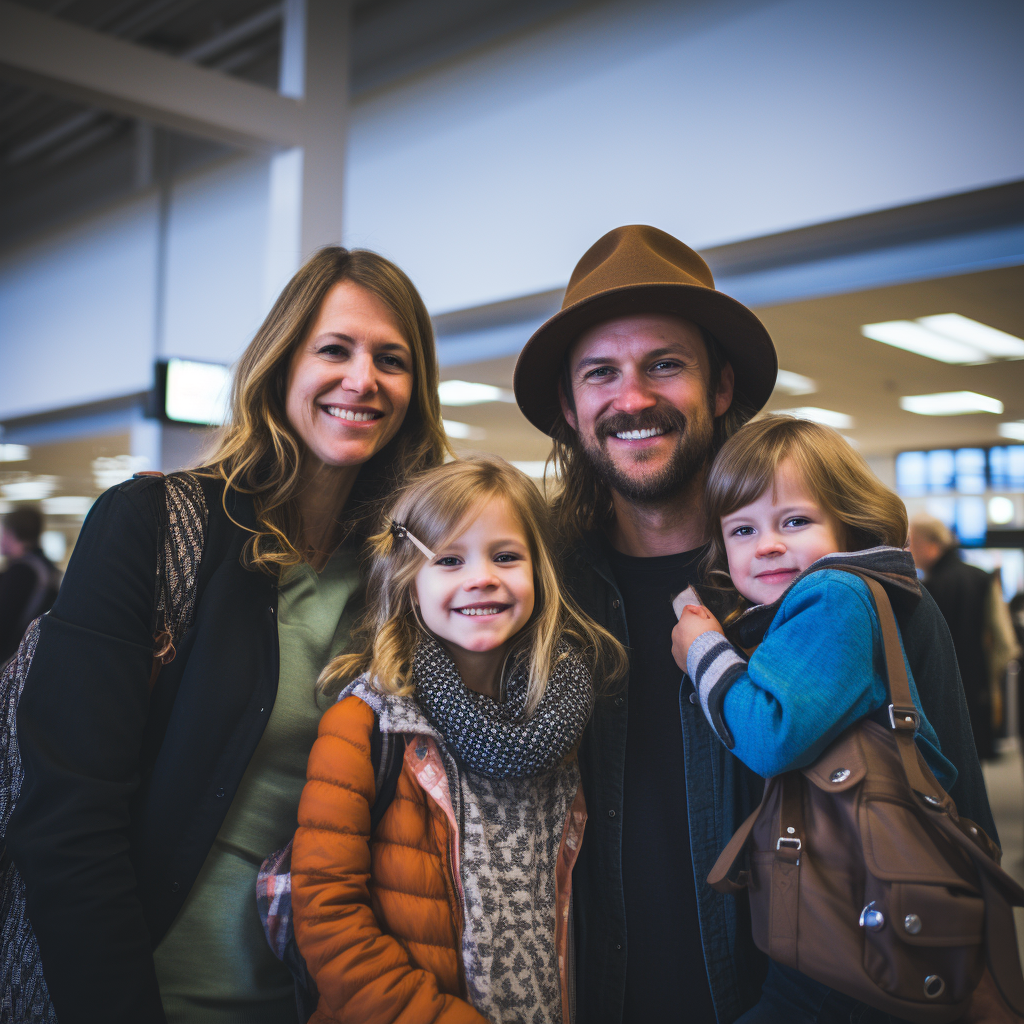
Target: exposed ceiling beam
[{"x": 88, "y": 67}]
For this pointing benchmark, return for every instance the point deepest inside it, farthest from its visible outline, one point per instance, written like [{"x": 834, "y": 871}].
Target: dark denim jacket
[{"x": 720, "y": 793}]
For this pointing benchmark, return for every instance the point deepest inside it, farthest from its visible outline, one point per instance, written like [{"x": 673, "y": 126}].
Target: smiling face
[
  {"x": 772, "y": 540},
  {"x": 641, "y": 406},
  {"x": 478, "y": 592},
  {"x": 350, "y": 381}
]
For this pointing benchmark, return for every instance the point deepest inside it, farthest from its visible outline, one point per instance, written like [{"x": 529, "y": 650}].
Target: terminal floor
[{"x": 1004, "y": 778}]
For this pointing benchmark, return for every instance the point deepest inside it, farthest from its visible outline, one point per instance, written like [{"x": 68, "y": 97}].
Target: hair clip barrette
[{"x": 401, "y": 532}]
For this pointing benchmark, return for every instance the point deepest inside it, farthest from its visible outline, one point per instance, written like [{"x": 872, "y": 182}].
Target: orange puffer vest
[{"x": 380, "y": 924}]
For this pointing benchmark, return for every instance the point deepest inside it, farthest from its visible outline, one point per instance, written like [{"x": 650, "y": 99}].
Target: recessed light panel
[
  {"x": 828, "y": 417},
  {"x": 465, "y": 392},
  {"x": 950, "y": 403},
  {"x": 794, "y": 383},
  {"x": 997, "y": 344},
  {"x": 26, "y": 487},
  {"x": 1012, "y": 430},
  {"x": 13, "y": 452},
  {"x": 913, "y": 337},
  {"x": 463, "y": 431},
  {"x": 533, "y": 468},
  {"x": 947, "y": 337}
]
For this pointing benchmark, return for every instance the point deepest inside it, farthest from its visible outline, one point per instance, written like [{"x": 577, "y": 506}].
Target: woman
[{"x": 145, "y": 814}]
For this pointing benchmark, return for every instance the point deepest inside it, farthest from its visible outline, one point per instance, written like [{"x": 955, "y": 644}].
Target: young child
[
  {"x": 785, "y": 496},
  {"x": 456, "y": 909}
]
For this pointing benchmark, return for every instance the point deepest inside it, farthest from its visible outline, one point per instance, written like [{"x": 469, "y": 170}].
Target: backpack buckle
[{"x": 904, "y": 719}]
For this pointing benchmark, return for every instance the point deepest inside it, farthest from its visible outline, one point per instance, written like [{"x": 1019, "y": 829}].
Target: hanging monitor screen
[{"x": 194, "y": 392}]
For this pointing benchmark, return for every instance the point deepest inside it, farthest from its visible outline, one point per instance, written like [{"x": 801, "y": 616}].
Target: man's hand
[{"x": 695, "y": 619}]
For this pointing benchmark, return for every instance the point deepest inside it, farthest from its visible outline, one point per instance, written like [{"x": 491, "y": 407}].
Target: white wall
[
  {"x": 215, "y": 261},
  {"x": 488, "y": 177},
  {"x": 716, "y": 121},
  {"x": 76, "y": 312}
]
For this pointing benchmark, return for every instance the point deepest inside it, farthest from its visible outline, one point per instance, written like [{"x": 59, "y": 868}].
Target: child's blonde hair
[
  {"x": 836, "y": 475},
  {"x": 432, "y": 506}
]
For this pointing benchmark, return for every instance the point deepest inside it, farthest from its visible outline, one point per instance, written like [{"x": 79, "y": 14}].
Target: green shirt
[{"x": 214, "y": 965}]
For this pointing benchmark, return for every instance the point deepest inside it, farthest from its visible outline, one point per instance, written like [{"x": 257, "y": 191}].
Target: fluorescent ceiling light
[
  {"x": 947, "y": 337},
  {"x": 913, "y": 337},
  {"x": 465, "y": 392},
  {"x": 533, "y": 468},
  {"x": 1012, "y": 430},
  {"x": 950, "y": 403},
  {"x": 829, "y": 417},
  {"x": 29, "y": 488},
  {"x": 67, "y": 505},
  {"x": 13, "y": 452},
  {"x": 463, "y": 431},
  {"x": 110, "y": 470},
  {"x": 994, "y": 343},
  {"x": 794, "y": 383}
]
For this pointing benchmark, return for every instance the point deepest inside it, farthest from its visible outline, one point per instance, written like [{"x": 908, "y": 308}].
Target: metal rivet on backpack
[
  {"x": 974, "y": 831},
  {"x": 872, "y": 919},
  {"x": 839, "y": 775},
  {"x": 790, "y": 830},
  {"x": 912, "y": 923},
  {"x": 934, "y": 986},
  {"x": 935, "y": 802}
]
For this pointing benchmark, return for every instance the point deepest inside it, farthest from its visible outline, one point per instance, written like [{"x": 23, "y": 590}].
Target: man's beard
[{"x": 693, "y": 452}]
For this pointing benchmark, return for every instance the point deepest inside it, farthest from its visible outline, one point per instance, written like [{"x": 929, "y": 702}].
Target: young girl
[
  {"x": 785, "y": 496},
  {"x": 456, "y": 909}
]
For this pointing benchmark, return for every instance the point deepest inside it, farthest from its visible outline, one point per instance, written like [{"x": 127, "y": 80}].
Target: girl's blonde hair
[
  {"x": 838, "y": 478},
  {"x": 433, "y": 506},
  {"x": 259, "y": 452}
]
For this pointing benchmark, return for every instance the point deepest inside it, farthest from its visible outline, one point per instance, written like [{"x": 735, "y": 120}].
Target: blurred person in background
[
  {"x": 28, "y": 586},
  {"x": 1003, "y": 649},
  {"x": 971, "y": 602},
  {"x": 149, "y": 803}
]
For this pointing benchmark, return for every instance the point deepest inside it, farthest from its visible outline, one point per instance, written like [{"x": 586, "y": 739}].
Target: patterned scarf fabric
[{"x": 494, "y": 739}]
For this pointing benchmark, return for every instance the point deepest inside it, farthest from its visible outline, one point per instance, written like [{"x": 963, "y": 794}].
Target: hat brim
[{"x": 743, "y": 337}]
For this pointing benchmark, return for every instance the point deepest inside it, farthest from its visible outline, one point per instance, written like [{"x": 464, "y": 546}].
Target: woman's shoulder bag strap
[{"x": 182, "y": 520}]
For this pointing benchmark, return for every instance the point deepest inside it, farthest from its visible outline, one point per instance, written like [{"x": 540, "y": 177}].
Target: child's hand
[{"x": 695, "y": 619}]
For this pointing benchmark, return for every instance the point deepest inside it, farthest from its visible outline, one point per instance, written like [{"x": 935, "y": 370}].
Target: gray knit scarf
[{"x": 494, "y": 739}]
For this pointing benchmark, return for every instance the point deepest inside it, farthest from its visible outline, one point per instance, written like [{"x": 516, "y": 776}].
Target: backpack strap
[
  {"x": 387, "y": 752},
  {"x": 904, "y": 718}
]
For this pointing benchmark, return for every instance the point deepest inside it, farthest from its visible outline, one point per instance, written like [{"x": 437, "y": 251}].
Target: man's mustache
[{"x": 649, "y": 419}]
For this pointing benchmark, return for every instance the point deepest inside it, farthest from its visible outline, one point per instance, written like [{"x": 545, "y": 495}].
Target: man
[
  {"x": 28, "y": 587},
  {"x": 971, "y": 602},
  {"x": 638, "y": 379}
]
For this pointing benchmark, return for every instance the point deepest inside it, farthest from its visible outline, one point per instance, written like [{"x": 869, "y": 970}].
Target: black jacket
[
  {"x": 961, "y": 592},
  {"x": 125, "y": 790}
]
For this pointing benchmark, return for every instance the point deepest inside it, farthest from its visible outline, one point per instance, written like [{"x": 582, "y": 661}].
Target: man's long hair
[{"x": 584, "y": 501}]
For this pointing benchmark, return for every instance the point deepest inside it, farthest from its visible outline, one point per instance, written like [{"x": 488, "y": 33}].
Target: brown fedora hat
[{"x": 640, "y": 269}]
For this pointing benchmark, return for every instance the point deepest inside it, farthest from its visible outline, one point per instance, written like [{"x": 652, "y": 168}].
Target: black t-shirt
[{"x": 666, "y": 978}]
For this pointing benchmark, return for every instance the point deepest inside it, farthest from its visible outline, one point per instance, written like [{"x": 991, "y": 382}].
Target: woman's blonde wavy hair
[
  {"x": 837, "y": 477},
  {"x": 433, "y": 506},
  {"x": 259, "y": 452}
]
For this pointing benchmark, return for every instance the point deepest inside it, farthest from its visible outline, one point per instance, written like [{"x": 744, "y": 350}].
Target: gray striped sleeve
[{"x": 714, "y": 664}]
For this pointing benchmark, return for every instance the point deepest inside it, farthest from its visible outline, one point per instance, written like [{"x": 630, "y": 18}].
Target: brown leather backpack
[{"x": 862, "y": 875}]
